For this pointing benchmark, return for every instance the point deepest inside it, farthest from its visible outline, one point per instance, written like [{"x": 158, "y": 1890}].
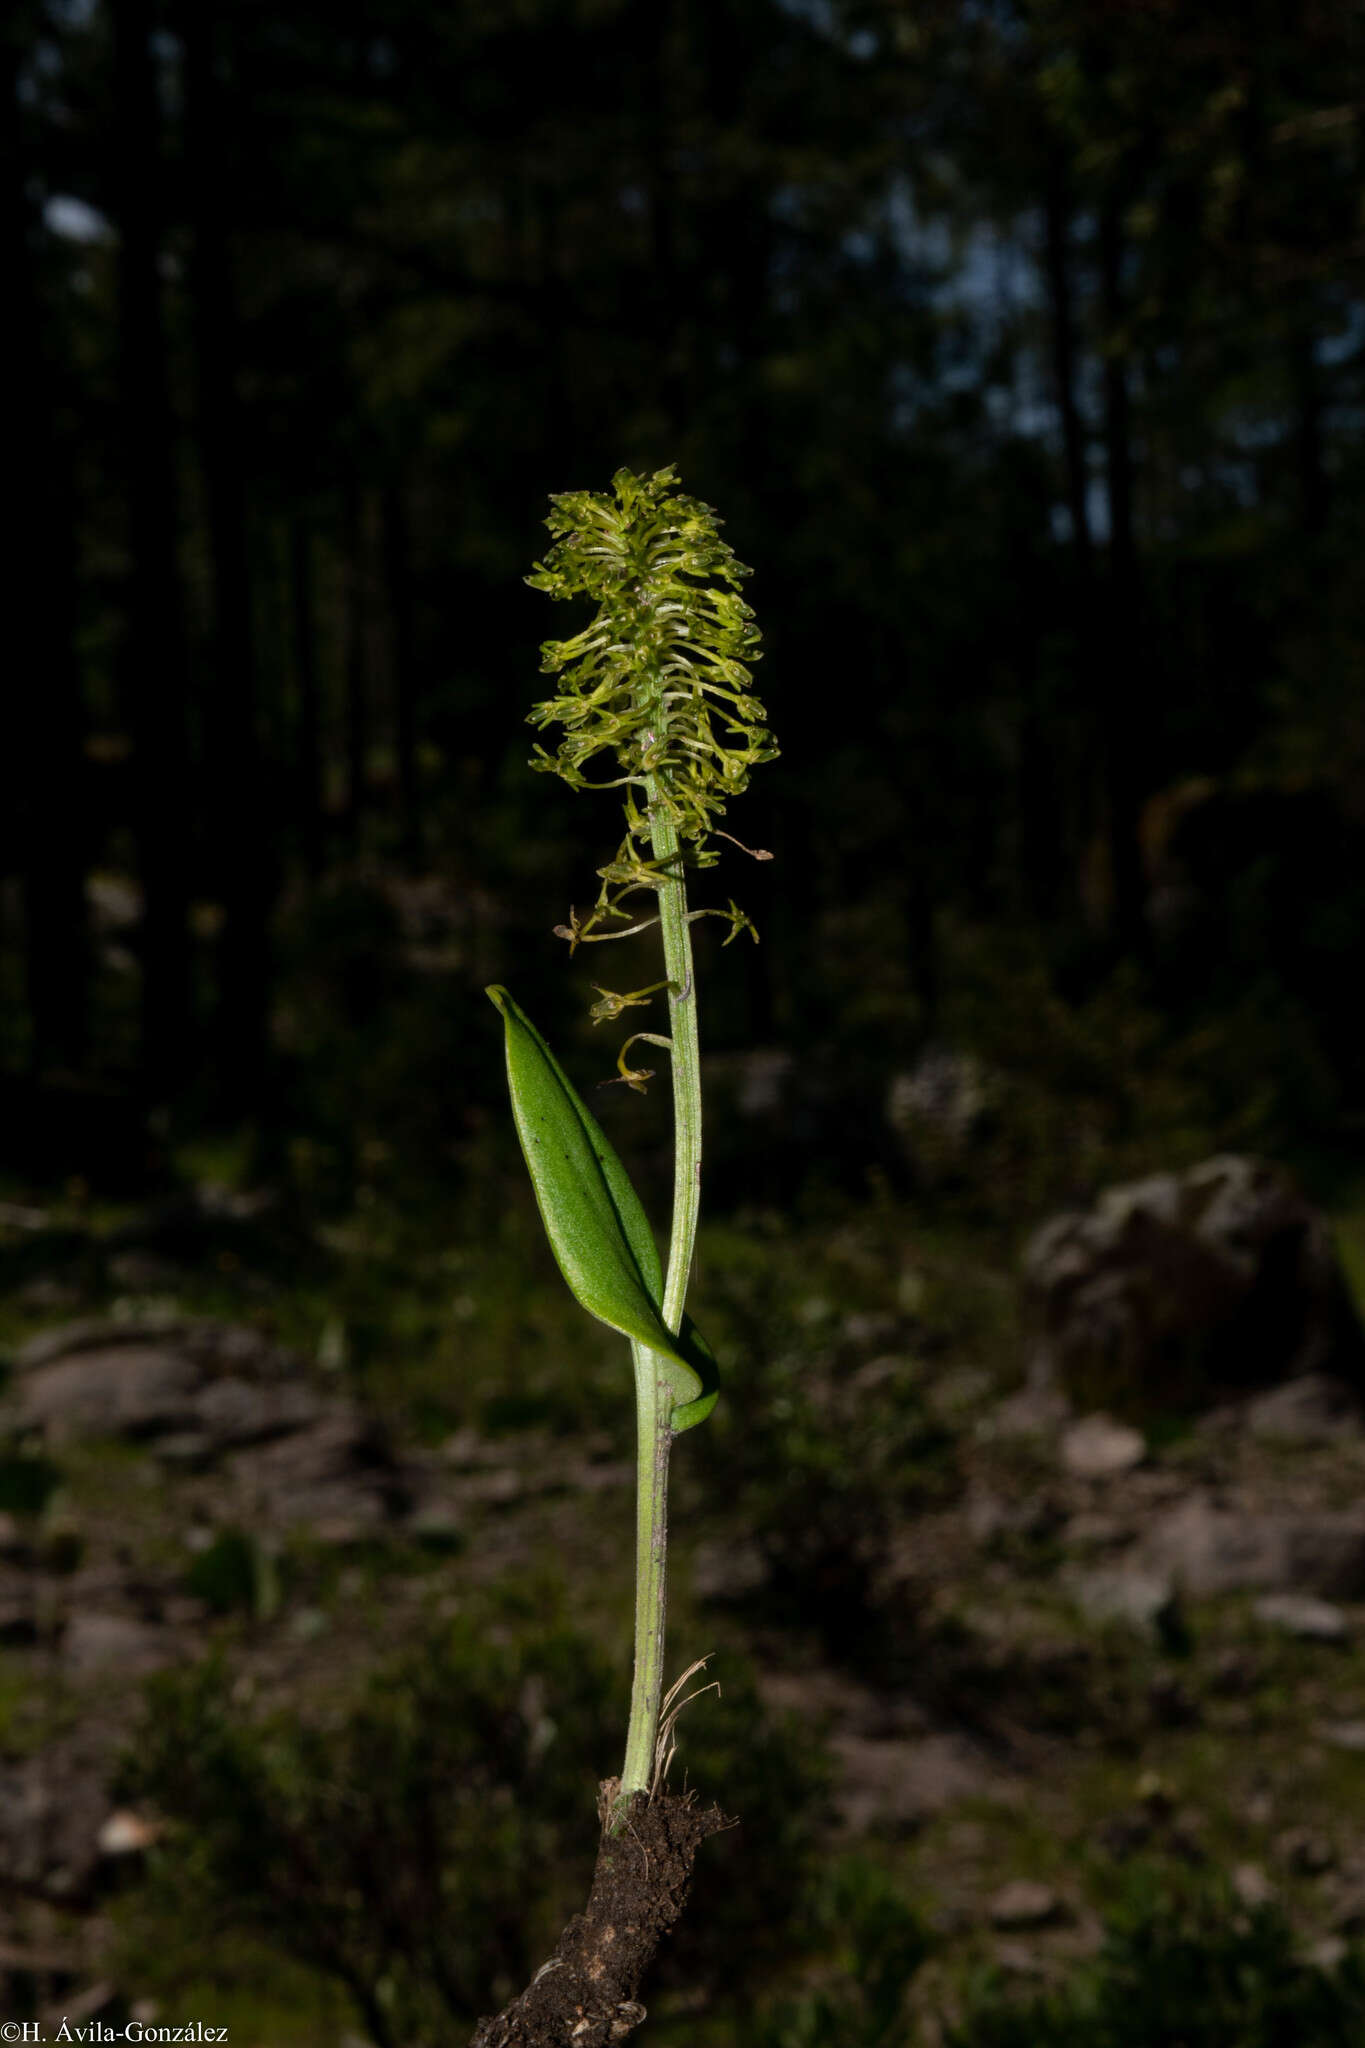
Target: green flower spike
[{"x": 660, "y": 678}]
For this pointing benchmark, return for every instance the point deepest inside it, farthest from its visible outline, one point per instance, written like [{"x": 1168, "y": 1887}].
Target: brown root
[{"x": 585, "y": 1996}]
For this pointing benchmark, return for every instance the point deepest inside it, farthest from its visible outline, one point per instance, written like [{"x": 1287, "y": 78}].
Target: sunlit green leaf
[{"x": 597, "y": 1228}]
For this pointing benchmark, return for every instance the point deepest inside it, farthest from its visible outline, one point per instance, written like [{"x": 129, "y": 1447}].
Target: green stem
[
  {"x": 653, "y": 1394},
  {"x": 685, "y": 1061},
  {"x": 654, "y": 1437}
]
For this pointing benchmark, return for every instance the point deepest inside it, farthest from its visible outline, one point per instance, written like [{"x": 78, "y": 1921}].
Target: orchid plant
[{"x": 658, "y": 684}]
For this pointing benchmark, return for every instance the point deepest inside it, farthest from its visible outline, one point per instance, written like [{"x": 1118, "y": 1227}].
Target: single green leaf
[{"x": 594, "y": 1219}]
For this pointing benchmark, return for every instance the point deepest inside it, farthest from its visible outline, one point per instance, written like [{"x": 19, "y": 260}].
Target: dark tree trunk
[
  {"x": 1118, "y": 653},
  {"x": 307, "y": 777},
  {"x": 670, "y": 316},
  {"x": 357, "y": 665},
  {"x": 1051, "y": 835},
  {"x": 1306, "y": 377},
  {"x": 398, "y": 576},
  {"x": 242, "y": 854},
  {"x": 154, "y": 652},
  {"x": 1062, "y": 337},
  {"x": 44, "y": 775}
]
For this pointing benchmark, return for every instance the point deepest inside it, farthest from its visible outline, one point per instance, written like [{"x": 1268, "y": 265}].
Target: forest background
[{"x": 1021, "y": 347}]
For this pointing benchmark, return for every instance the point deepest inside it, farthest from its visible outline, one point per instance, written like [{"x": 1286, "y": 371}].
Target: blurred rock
[
  {"x": 1024, "y": 1902},
  {"x": 729, "y": 1571},
  {"x": 1313, "y": 1409},
  {"x": 1124, "y": 1593},
  {"x": 900, "y": 1785},
  {"x": 1036, "y": 1410},
  {"x": 339, "y": 1474},
  {"x": 1209, "y": 1550},
  {"x": 114, "y": 1643},
  {"x": 126, "y": 1833},
  {"x": 1177, "y": 1290},
  {"x": 937, "y": 1108},
  {"x": 1343, "y": 1734},
  {"x": 1251, "y": 1886},
  {"x": 234, "y": 1411},
  {"x": 126, "y": 1390},
  {"x": 1315, "y": 1621},
  {"x": 1097, "y": 1532},
  {"x": 1306, "y": 1852},
  {"x": 52, "y": 1805},
  {"x": 1097, "y": 1447},
  {"x": 18, "y": 1612}
]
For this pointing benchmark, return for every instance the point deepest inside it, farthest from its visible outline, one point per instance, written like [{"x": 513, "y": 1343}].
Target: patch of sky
[
  {"x": 1253, "y": 431},
  {"x": 1333, "y": 349},
  {"x": 986, "y": 285},
  {"x": 861, "y": 245},
  {"x": 819, "y": 13},
  {"x": 73, "y": 220}
]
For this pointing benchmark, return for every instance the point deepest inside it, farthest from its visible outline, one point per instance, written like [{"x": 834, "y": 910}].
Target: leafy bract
[{"x": 597, "y": 1228}]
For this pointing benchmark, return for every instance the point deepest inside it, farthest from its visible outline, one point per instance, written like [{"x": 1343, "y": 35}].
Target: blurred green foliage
[
  {"x": 27, "y": 1482},
  {"x": 871, "y": 1944},
  {"x": 422, "y": 1842},
  {"x": 1193, "y": 1967},
  {"x": 1180, "y": 1964}
]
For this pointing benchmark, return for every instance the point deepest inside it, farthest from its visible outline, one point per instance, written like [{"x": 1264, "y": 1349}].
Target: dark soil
[{"x": 584, "y": 1997}]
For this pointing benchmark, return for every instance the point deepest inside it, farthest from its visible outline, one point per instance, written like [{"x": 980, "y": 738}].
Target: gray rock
[
  {"x": 1316, "y": 1621},
  {"x": 130, "y": 1390},
  {"x": 1313, "y": 1409},
  {"x": 1209, "y": 1550},
  {"x": 1036, "y": 1410},
  {"x": 729, "y": 1571},
  {"x": 1343, "y": 1734},
  {"x": 899, "y": 1785},
  {"x": 18, "y": 1611},
  {"x": 187, "y": 1450},
  {"x": 955, "y": 1393},
  {"x": 52, "y": 1805},
  {"x": 1097, "y": 1531},
  {"x": 1305, "y": 1852},
  {"x": 97, "y": 1333},
  {"x": 438, "y": 1525},
  {"x": 1180, "y": 1289},
  {"x": 339, "y": 1476},
  {"x": 127, "y": 1833},
  {"x": 1097, "y": 1447},
  {"x": 937, "y": 1108},
  {"x": 1123, "y": 1593},
  {"x": 1017, "y": 1959},
  {"x": 1252, "y": 1886},
  {"x": 1024, "y": 1902},
  {"x": 114, "y": 1643},
  {"x": 234, "y": 1411}
]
